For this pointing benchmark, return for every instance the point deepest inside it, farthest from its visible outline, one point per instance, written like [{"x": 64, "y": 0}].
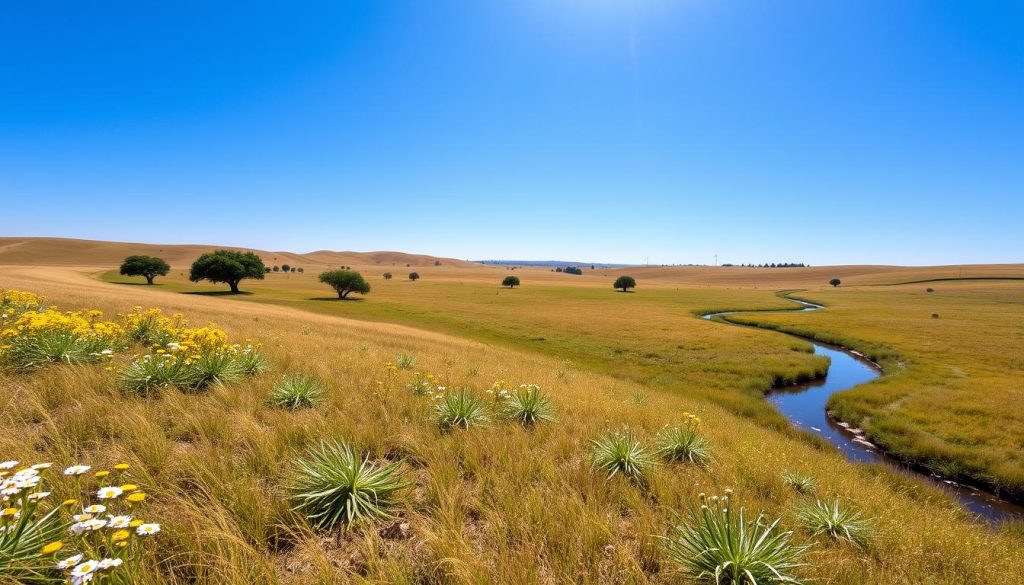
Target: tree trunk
[
  {"x": 234, "y": 286},
  {"x": 149, "y": 279}
]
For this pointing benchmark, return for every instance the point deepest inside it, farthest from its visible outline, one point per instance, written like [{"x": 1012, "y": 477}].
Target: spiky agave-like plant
[
  {"x": 460, "y": 410},
  {"x": 798, "y": 481},
  {"x": 835, "y": 521},
  {"x": 297, "y": 392},
  {"x": 716, "y": 543},
  {"x": 684, "y": 444},
  {"x": 335, "y": 487},
  {"x": 528, "y": 405},
  {"x": 621, "y": 453}
]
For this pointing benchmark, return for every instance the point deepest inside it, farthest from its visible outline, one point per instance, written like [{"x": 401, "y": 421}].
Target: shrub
[
  {"x": 297, "y": 392},
  {"x": 414, "y": 276},
  {"x": 835, "y": 282},
  {"x": 625, "y": 283},
  {"x": 528, "y": 405},
  {"x": 147, "y": 266},
  {"x": 387, "y": 276},
  {"x": 345, "y": 282},
  {"x": 684, "y": 444},
  {"x": 714, "y": 543},
  {"x": 228, "y": 266},
  {"x": 334, "y": 487},
  {"x": 277, "y": 268},
  {"x": 155, "y": 371},
  {"x": 460, "y": 410},
  {"x": 213, "y": 366},
  {"x": 405, "y": 362},
  {"x": 286, "y": 268},
  {"x": 929, "y": 289},
  {"x": 36, "y": 338},
  {"x": 510, "y": 281},
  {"x": 803, "y": 484},
  {"x": 835, "y": 522},
  {"x": 935, "y": 315},
  {"x": 572, "y": 270},
  {"x": 424, "y": 385},
  {"x": 621, "y": 453}
]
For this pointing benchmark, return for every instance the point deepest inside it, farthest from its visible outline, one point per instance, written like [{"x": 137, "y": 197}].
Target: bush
[
  {"x": 460, "y": 410},
  {"x": 929, "y": 289},
  {"x": 935, "y": 315},
  {"x": 147, "y": 266},
  {"x": 714, "y": 543},
  {"x": 835, "y": 522},
  {"x": 528, "y": 405},
  {"x": 297, "y": 392},
  {"x": 387, "y": 276},
  {"x": 334, "y": 488},
  {"x": 414, "y": 276},
  {"x": 286, "y": 268},
  {"x": 620, "y": 453},
  {"x": 572, "y": 270},
  {"x": 625, "y": 283},
  {"x": 835, "y": 282},
  {"x": 683, "y": 444},
  {"x": 345, "y": 282},
  {"x": 36, "y": 338},
  {"x": 228, "y": 266},
  {"x": 510, "y": 281}
]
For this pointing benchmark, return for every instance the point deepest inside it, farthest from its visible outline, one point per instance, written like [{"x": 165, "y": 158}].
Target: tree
[
  {"x": 147, "y": 266},
  {"x": 286, "y": 268},
  {"x": 345, "y": 282},
  {"x": 835, "y": 282},
  {"x": 227, "y": 266},
  {"x": 573, "y": 270},
  {"x": 387, "y": 276},
  {"x": 414, "y": 276},
  {"x": 276, "y": 268},
  {"x": 625, "y": 283},
  {"x": 510, "y": 281},
  {"x": 300, "y": 270}
]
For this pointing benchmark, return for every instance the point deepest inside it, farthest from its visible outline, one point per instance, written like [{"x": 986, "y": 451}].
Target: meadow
[{"x": 498, "y": 502}]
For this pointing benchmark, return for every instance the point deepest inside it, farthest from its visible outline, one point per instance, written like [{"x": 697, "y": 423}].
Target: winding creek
[{"x": 805, "y": 406}]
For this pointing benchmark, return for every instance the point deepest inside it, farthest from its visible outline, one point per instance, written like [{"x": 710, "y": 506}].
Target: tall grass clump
[
  {"x": 684, "y": 444},
  {"x": 460, "y": 410},
  {"x": 335, "y": 488},
  {"x": 621, "y": 453},
  {"x": 834, "y": 521},
  {"x": 800, "y": 482},
  {"x": 405, "y": 362},
  {"x": 297, "y": 392},
  {"x": 715, "y": 543},
  {"x": 528, "y": 405}
]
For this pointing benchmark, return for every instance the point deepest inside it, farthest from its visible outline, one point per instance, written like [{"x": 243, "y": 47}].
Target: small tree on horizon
[
  {"x": 510, "y": 281},
  {"x": 625, "y": 283},
  {"x": 286, "y": 268},
  {"x": 276, "y": 268},
  {"x": 414, "y": 276},
  {"x": 227, "y": 266},
  {"x": 387, "y": 276},
  {"x": 148, "y": 266},
  {"x": 345, "y": 282},
  {"x": 835, "y": 282}
]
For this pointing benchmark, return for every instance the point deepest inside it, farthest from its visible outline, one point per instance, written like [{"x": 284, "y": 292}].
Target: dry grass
[{"x": 501, "y": 504}]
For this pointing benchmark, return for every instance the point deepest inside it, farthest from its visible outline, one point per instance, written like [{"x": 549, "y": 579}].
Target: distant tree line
[{"x": 570, "y": 270}]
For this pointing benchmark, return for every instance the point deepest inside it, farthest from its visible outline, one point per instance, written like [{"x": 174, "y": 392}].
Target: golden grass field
[{"x": 506, "y": 505}]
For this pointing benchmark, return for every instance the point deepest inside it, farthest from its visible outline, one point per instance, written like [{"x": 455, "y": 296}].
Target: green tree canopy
[
  {"x": 625, "y": 283},
  {"x": 387, "y": 276},
  {"x": 835, "y": 282},
  {"x": 227, "y": 266},
  {"x": 345, "y": 282},
  {"x": 147, "y": 266},
  {"x": 510, "y": 281},
  {"x": 414, "y": 276}
]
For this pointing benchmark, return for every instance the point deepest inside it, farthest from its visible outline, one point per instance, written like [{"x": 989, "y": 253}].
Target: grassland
[{"x": 497, "y": 504}]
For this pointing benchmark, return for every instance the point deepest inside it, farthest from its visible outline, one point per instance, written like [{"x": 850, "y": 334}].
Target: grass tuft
[
  {"x": 684, "y": 444},
  {"x": 621, "y": 453},
  {"x": 800, "y": 482},
  {"x": 460, "y": 410},
  {"x": 714, "y": 543},
  {"x": 405, "y": 362},
  {"x": 835, "y": 522},
  {"x": 528, "y": 405},
  {"x": 335, "y": 488},
  {"x": 297, "y": 392}
]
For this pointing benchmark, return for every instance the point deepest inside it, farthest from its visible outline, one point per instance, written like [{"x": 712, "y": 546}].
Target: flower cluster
[
  {"x": 424, "y": 385},
  {"x": 196, "y": 358},
  {"x": 501, "y": 389},
  {"x": 32, "y": 336},
  {"x": 151, "y": 326},
  {"x": 82, "y": 542}
]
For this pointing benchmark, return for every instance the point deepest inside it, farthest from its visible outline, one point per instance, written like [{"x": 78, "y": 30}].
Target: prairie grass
[
  {"x": 501, "y": 505},
  {"x": 297, "y": 392}
]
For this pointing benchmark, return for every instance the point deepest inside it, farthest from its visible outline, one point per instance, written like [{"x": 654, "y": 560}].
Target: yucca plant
[
  {"x": 151, "y": 372},
  {"x": 684, "y": 444},
  {"x": 214, "y": 366},
  {"x": 528, "y": 405},
  {"x": 834, "y": 521},
  {"x": 405, "y": 362},
  {"x": 335, "y": 487},
  {"x": 54, "y": 346},
  {"x": 21, "y": 546},
  {"x": 800, "y": 482},
  {"x": 621, "y": 453},
  {"x": 297, "y": 392},
  {"x": 460, "y": 410},
  {"x": 717, "y": 544},
  {"x": 251, "y": 361}
]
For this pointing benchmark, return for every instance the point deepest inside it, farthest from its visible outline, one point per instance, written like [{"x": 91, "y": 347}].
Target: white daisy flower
[
  {"x": 95, "y": 509},
  {"x": 119, "y": 521},
  {"x": 109, "y": 564},
  {"x": 83, "y": 570},
  {"x": 42, "y": 466},
  {"x": 8, "y": 464},
  {"x": 38, "y": 496},
  {"x": 147, "y": 529},
  {"x": 69, "y": 562},
  {"x": 77, "y": 469},
  {"x": 109, "y": 492}
]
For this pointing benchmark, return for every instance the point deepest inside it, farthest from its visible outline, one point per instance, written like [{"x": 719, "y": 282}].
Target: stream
[{"x": 805, "y": 406}]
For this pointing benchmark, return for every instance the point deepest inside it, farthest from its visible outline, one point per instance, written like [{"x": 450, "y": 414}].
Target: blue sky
[{"x": 831, "y": 132}]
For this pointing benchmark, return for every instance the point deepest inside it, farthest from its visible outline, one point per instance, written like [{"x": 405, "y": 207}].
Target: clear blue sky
[{"x": 608, "y": 130}]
